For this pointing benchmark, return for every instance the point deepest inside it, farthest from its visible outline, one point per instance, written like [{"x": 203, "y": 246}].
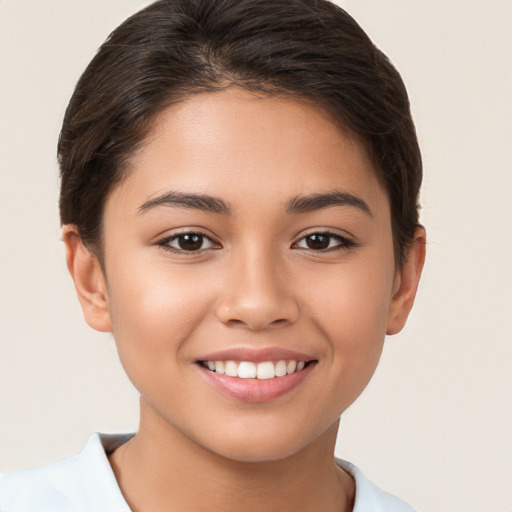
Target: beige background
[{"x": 435, "y": 424}]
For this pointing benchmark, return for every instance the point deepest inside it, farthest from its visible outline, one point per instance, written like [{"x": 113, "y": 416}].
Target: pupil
[
  {"x": 318, "y": 241},
  {"x": 190, "y": 242}
]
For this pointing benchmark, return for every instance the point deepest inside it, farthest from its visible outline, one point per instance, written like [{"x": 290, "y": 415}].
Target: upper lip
[{"x": 256, "y": 355}]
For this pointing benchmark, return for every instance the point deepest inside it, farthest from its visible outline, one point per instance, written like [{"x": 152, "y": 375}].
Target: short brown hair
[{"x": 308, "y": 49}]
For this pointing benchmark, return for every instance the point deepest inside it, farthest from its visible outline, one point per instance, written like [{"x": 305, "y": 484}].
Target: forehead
[{"x": 235, "y": 144}]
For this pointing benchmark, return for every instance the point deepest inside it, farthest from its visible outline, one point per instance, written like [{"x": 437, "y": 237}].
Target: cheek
[
  {"x": 353, "y": 299},
  {"x": 154, "y": 308},
  {"x": 352, "y": 311}
]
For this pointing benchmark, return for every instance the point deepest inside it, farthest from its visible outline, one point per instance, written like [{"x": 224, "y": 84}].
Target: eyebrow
[
  {"x": 313, "y": 202},
  {"x": 297, "y": 204},
  {"x": 195, "y": 201}
]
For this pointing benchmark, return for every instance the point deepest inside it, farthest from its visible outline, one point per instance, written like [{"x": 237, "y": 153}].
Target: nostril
[
  {"x": 253, "y": 324},
  {"x": 256, "y": 312},
  {"x": 235, "y": 323}
]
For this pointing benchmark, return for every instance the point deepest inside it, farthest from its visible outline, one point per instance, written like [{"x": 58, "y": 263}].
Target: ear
[
  {"x": 89, "y": 280},
  {"x": 406, "y": 283}
]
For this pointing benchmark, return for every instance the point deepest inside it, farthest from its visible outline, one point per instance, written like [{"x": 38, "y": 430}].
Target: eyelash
[
  {"x": 343, "y": 243},
  {"x": 165, "y": 243}
]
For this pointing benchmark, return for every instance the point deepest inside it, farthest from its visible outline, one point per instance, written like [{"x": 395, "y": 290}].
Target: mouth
[
  {"x": 263, "y": 370},
  {"x": 256, "y": 376}
]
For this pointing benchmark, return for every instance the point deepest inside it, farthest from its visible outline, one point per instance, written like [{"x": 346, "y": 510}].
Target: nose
[{"x": 257, "y": 295}]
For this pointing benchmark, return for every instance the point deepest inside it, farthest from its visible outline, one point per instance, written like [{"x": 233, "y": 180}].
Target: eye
[
  {"x": 188, "y": 242},
  {"x": 324, "y": 242}
]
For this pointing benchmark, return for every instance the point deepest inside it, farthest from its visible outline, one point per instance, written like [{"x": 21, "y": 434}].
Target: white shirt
[{"x": 86, "y": 483}]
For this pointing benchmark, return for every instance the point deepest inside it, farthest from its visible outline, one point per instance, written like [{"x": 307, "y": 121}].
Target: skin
[{"x": 254, "y": 282}]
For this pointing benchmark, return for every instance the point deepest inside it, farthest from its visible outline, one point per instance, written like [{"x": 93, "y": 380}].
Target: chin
[
  {"x": 251, "y": 453},
  {"x": 262, "y": 444}
]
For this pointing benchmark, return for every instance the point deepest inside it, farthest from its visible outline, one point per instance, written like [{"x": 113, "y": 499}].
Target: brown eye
[
  {"x": 188, "y": 242},
  {"x": 318, "y": 241},
  {"x": 323, "y": 242}
]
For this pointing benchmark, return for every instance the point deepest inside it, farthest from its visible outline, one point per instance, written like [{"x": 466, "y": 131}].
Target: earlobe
[
  {"x": 406, "y": 283},
  {"x": 89, "y": 280}
]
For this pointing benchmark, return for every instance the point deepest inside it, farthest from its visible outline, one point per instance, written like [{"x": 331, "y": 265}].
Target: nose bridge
[{"x": 256, "y": 293}]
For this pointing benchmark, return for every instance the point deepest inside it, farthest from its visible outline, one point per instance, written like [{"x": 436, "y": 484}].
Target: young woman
[{"x": 239, "y": 207}]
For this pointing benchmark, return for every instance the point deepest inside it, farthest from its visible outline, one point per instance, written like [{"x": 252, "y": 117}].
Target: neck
[{"x": 161, "y": 469}]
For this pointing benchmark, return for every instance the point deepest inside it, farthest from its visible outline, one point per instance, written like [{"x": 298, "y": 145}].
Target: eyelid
[
  {"x": 164, "y": 242},
  {"x": 170, "y": 233},
  {"x": 346, "y": 241}
]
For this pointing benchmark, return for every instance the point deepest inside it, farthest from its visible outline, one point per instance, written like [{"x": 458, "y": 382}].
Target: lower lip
[{"x": 257, "y": 390}]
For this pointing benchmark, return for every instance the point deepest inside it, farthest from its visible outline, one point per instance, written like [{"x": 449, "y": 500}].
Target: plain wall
[{"x": 435, "y": 424}]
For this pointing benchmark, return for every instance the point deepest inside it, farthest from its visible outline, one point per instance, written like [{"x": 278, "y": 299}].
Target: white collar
[{"x": 86, "y": 483}]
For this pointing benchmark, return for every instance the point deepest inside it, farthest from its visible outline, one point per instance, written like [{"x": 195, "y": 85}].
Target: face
[{"x": 250, "y": 238}]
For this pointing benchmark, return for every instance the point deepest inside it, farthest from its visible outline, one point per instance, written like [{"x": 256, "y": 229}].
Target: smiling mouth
[{"x": 249, "y": 370}]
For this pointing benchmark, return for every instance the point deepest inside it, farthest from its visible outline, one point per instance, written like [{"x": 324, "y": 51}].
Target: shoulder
[
  {"x": 78, "y": 484},
  {"x": 54, "y": 485},
  {"x": 369, "y": 497}
]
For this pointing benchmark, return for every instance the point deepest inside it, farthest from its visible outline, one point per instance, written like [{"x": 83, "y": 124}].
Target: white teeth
[
  {"x": 291, "y": 367},
  {"x": 280, "y": 369},
  {"x": 265, "y": 370},
  {"x": 231, "y": 369},
  {"x": 219, "y": 367},
  {"x": 247, "y": 370},
  {"x": 250, "y": 370}
]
